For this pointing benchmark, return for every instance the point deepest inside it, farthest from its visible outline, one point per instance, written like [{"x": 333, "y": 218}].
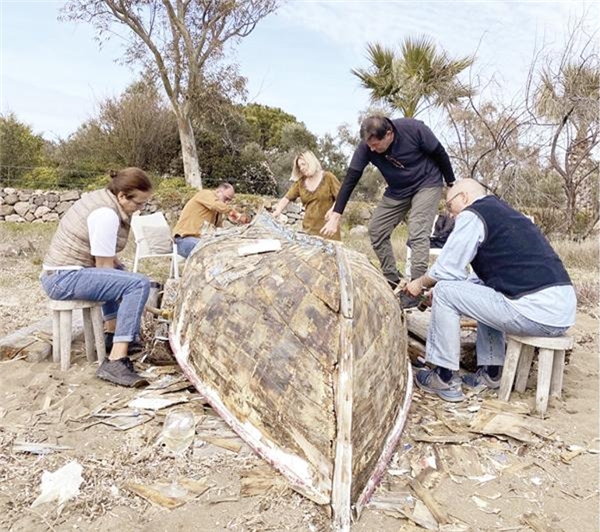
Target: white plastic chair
[{"x": 153, "y": 239}]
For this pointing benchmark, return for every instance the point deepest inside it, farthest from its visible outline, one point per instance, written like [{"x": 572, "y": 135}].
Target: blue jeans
[
  {"x": 494, "y": 316},
  {"x": 124, "y": 293},
  {"x": 185, "y": 245}
]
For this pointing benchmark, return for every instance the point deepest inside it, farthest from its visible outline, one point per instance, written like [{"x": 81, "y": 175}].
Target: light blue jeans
[
  {"x": 185, "y": 245},
  {"x": 125, "y": 294},
  {"x": 494, "y": 316}
]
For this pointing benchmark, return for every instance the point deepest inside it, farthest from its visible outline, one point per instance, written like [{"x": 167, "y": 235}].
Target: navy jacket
[{"x": 414, "y": 160}]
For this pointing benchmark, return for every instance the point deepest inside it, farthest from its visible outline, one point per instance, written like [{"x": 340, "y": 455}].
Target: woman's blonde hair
[{"x": 312, "y": 163}]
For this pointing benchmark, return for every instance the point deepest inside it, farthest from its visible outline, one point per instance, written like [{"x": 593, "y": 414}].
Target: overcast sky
[{"x": 53, "y": 74}]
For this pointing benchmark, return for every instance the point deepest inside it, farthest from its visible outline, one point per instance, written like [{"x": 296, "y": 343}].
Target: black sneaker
[
  {"x": 407, "y": 301},
  {"x": 394, "y": 284},
  {"x": 127, "y": 361},
  {"x": 132, "y": 349},
  {"x": 120, "y": 372}
]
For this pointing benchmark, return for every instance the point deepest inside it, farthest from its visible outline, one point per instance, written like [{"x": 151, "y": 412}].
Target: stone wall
[
  {"x": 35, "y": 206},
  {"x": 38, "y": 206}
]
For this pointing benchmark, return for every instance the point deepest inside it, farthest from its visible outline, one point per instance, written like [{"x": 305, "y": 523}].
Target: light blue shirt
[{"x": 555, "y": 306}]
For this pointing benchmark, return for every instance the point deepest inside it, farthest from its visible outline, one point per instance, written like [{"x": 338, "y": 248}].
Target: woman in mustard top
[{"x": 316, "y": 189}]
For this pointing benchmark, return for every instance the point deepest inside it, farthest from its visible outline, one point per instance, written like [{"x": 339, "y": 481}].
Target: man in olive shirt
[
  {"x": 415, "y": 166},
  {"x": 209, "y": 206}
]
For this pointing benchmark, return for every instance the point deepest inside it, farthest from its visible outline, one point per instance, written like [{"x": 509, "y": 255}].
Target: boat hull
[{"x": 302, "y": 351}]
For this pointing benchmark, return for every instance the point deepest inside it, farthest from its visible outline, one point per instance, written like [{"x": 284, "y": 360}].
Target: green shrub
[
  {"x": 172, "y": 193},
  {"x": 96, "y": 183},
  {"x": 44, "y": 177}
]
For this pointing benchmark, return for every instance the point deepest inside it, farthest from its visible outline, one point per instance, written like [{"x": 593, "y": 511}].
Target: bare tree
[
  {"x": 181, "y": 41},
  {"x": 488, "y": 142},
  {"x": 563, "y": 97}
]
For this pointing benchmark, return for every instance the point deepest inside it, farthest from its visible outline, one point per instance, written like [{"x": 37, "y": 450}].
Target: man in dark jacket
[
  {"x": 519, "y": 286},
  {"x": 413, "y": 164}
]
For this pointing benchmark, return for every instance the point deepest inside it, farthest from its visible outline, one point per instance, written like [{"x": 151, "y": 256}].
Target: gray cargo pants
[{"x": 423, "y": 207}]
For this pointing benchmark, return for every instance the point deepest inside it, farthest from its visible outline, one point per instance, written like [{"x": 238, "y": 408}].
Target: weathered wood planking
[
  {"x": 303, "y": 352},
  {"x": 380, "y": 369},
  {"x": 35, "y": 341}
]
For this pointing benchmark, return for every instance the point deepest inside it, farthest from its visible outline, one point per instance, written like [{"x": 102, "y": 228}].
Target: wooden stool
[
  {"x": 551, "y": 362},
  {"x": 62, "y": 322}
]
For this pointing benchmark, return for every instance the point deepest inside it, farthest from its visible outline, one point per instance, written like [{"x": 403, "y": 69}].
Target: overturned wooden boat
[{"x": 302, "y": 351}]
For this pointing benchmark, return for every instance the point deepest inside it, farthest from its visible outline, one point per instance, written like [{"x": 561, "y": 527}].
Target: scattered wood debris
[{"x": 155, "y": 493}]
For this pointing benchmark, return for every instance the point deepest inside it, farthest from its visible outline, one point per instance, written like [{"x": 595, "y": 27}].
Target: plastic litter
[{"x": 61, "y": 485}]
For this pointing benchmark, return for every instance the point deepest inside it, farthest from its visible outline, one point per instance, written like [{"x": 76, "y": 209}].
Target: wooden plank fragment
[
  {"x": 224, "y": 443},
  {"x": 537, "y": 523},
  {"x": 155, "y": 493},
  {"x": 35, "y": 341},
  {"x": 423, "y": 493},
  {"x": 260, "y": 481}
]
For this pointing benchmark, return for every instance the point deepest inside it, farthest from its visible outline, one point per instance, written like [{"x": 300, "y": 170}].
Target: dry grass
[
  {"x": 362, "y": 244},
  {"x": 582, "y": 262},
  {"x": 583, "y": 256}
]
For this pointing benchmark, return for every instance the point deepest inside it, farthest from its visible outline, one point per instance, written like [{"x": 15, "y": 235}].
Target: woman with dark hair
[{"x": 82, "y": 263}]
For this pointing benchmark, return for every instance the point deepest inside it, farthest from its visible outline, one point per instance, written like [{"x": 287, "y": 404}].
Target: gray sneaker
[
  {"x": 430, "y": 381},
  {"x": 120, "y": 372},
  {"x": 480, "y": 380}
]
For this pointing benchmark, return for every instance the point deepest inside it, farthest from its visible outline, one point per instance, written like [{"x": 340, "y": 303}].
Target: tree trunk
[{"x": 191, "y": 169}]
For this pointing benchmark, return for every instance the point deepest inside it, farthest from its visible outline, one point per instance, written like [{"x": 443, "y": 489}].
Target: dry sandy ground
[{"x": 480, "y": 482}]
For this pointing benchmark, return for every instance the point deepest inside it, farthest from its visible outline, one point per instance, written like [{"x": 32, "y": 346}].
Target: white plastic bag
[{"x": 61, "y": 485}]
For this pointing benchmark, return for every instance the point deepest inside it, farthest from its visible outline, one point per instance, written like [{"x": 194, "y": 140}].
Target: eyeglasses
[
  {"x": 394, "y": 161},
  {"x": 449, "y": 202},
  {"x": 139, "y": 204}
]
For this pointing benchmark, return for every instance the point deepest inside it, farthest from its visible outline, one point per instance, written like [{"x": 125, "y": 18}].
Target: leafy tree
[
  {"x": 266, "y": 124},
  {"x": 140, "y": 130},
  {"x": 295, "y": 137},
  {"x": 20, "y": 149},
  {"x": 330, "y": 152},
  {"x": 417, "y": 77},
  {"x": 181, "y": 42},
  {"x": 246, "y": 168},
  {"x": 134, "y": 129}
]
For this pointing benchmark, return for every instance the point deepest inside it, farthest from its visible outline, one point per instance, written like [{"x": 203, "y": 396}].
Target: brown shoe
[{"x": 120, "y": 372}]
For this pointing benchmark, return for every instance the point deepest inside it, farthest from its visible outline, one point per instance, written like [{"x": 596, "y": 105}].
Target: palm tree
[{"x": 418, "y": 77}]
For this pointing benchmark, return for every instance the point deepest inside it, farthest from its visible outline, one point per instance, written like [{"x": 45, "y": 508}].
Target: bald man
[{"x": 520, "y": 286}]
